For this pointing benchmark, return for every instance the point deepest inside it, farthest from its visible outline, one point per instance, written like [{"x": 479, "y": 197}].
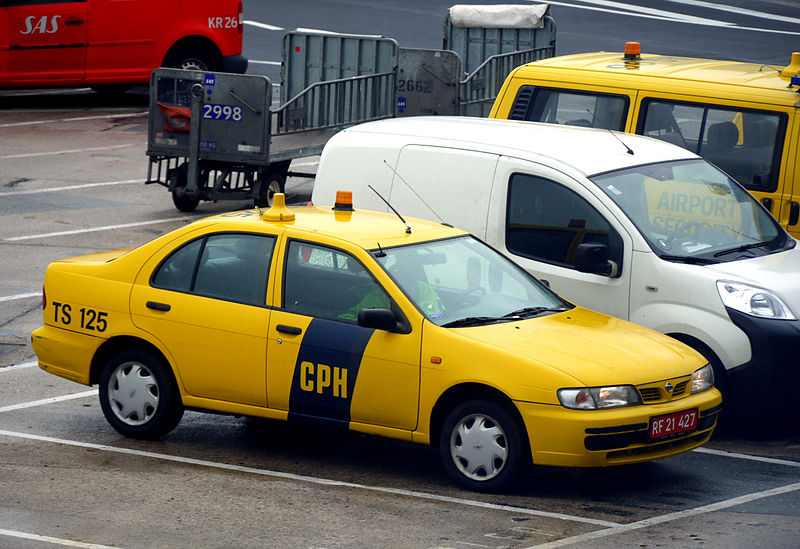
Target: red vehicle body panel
[{"x": 109, "y": 42}]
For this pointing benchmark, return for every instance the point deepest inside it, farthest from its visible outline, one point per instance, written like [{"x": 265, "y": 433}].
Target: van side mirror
[
  {"x": 593, "y": 258},
  {"x": 378, "y": 319}
]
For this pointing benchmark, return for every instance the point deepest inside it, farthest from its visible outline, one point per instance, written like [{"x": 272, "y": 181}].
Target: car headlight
[
  {"x": 753, "y": 301},
  {"x": 703, "y": 379},
  {"x": 592, "y": 398}
]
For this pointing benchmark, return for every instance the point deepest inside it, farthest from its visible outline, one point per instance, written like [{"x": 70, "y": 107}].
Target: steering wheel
[{"x": 460, "y": 301}]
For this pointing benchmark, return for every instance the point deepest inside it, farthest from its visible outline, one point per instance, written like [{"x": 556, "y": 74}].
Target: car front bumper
[{"x": 598, "y": 438}]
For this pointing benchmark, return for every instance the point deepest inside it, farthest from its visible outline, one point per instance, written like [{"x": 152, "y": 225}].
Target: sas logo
[{"x": 44, "y": 25}]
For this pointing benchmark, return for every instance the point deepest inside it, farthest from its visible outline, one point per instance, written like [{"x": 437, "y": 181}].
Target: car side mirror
[
  {"x": 378, "y": 319},
  {"x": 593, "y": 258}
]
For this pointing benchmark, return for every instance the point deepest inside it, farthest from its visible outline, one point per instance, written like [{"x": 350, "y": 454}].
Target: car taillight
[
  {"x": 241, "y": 22},
  {"x": 44, "y": 299}
]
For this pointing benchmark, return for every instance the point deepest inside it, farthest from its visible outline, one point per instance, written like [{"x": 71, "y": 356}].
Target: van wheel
[
  {"x": 182, "y": 202},
  {"x": 193, "y": 59},
  {"x": 481, "y": 446},
  {"x": 138, "y": 395}
]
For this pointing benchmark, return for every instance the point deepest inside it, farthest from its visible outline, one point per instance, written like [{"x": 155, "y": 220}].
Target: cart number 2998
[{"x": 222, "y": 112}]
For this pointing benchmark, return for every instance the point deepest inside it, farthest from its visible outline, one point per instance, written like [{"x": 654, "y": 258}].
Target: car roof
[
  {"x": 763, "y": 82},
  {"x": 364, "y": 228},
  {"x": 588, "y": 150}
]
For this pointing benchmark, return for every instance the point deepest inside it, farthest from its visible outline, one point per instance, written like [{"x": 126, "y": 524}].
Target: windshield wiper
[
  {"x": 471, "y": 321},
  {"x": 742, "y": 248},
  {"x": 533, "y": 311},
  {"x": 689, "y": 259}
]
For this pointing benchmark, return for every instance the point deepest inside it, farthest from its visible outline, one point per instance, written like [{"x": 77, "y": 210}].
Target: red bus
[{"x": 115, "y": 43}]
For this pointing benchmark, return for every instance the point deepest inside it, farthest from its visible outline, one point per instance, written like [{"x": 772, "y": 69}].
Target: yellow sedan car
[{"x": 400, "y": 328}]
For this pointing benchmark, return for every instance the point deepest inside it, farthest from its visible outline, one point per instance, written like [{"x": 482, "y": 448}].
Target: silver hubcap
[
  {"x": 133, "y": 393},
  {"x": 193, "y": 65},
  {"x": 478, "y": 447}
]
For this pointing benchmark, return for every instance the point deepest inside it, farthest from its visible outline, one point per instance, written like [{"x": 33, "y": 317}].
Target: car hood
[
  {"x": 777, "y": 272},
  {"x": 593, "y": 348}
]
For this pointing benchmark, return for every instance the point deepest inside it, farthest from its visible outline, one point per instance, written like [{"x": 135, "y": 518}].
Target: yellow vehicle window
[
  {"x": 230, "y": 266},
  {"x": 746, "y": 144},
  {"x": 570, "y": 107},
  {"x": 328, "y": 283}
]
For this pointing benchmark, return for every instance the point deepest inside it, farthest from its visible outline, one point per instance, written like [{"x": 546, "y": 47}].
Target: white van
[{"x": 627, "y": 225}]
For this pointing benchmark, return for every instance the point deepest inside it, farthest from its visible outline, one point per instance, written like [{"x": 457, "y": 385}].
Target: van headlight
[
  {"x": 753, "y": 301},
  {"x": 703, "y": 379},
  {"x": 592, "y": 398}
]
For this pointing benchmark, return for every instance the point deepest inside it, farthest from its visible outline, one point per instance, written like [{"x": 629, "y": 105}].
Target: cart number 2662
[{"x": 222, "y": 112}]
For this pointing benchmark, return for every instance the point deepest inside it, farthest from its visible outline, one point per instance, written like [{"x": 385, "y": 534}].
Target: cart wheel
[
  {"x": 181, "y": 201},
  {"x": 275, "y": 183}
]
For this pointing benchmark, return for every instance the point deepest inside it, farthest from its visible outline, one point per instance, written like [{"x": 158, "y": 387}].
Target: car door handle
[
  {"x": 288, "y": 329},
  {"x": 794, "y": 213},
  {"x": 158, "y": 306}
]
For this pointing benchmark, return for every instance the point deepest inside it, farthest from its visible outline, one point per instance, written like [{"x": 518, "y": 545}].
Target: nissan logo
[{"x": 669, "y": 387}]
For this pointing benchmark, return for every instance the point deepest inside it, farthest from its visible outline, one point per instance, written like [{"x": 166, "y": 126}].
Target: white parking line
[
  {"x": 96, "y": 229},
  {"x": 20, "y": 366},
  {"x": 310, "y": 480},
  {"x": 638, "y": 525},
  {"x": 261, "y": 25},
  {"x": 67, "y": 151},
  {"x": 75, "y": 119},
  {"x": 773, "y": 461},
  {"x": 48, "y": 539},
  {"x": 70, "y": 187},
  {"x": 46, "y": 401},
  {"x": 20, "y": 296}
]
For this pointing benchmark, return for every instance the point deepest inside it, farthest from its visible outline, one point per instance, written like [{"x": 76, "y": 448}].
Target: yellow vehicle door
[
  {"x": 323, "y": 366},
  {"x": 204, "y": 300}
]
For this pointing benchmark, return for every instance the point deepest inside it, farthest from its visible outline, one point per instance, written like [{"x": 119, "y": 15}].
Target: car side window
[
  {"x": 570, "y": 108},
  {"x": 328, "y": 283},
  {"x": 746, "y": 144},
  {"x": 546, "y": 221},
  {"x": 230, "y": 266}
]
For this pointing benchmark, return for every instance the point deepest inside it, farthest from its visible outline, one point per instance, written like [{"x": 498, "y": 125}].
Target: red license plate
[{"x": 669, "y": 424}]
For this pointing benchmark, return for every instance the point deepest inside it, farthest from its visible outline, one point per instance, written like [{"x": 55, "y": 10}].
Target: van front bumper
[
  {"x": 597, "y": 438},
  {"x": 765, "y": 388}
]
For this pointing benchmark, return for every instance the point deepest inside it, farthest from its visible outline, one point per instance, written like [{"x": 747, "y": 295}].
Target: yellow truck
[{"x": 740, "y": 116}]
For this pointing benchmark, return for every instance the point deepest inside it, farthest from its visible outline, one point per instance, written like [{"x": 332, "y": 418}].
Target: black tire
[
  {"x": 274, "y": 182},
  {"x": 481, "y": 446},
  {"x": 194, "y": 59},
  {"x": 139, "y": 396},
  {"x": 181, "y": 201}
]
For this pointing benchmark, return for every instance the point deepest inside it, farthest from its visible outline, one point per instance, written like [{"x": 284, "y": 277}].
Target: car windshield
[
  {"x": 690, "y": 211},
  {"x": 461, "y": 282}
]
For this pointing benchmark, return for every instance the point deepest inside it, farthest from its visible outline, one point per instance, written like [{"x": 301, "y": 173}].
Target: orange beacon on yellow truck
[{"x": 740, "y": 116}]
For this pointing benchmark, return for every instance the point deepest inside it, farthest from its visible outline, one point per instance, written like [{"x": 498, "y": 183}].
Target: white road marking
[
  {"x": 70, "y": 187},
  {"x": 96, "y": 229},
  {"x": 255, "y": 62},
  {"x": 622, "y": 528},
  {"x": 308, "y": 479},
  {"x": 20, "y": 296},
  {"x": 46, "y": 401},
  {"x": 20, "y": 366},
  {"x": 261, "y": 25},
  {"x": 772, "y": 461},
  {"x": 76, "y": 119},
  {"x": 67, "y": 151},
  {"x": 739, "y": 10},
  {"x": 647, "y": 13},
  {"x": 48, "y": 539}
]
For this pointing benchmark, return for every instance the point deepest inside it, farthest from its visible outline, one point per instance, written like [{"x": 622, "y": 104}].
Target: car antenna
[
  {"x": 408, "y": 227},
  {"x": 400, "y": 177},
  {"x": 630, "y": 151}
]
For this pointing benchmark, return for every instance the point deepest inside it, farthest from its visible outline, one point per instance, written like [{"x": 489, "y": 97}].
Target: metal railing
[{"x": 337, "y": 103}]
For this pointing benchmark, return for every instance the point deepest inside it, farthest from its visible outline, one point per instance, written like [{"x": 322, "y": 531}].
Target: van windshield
[
  {"x": 461, "y": 282},
  {"x": 690, "y": 211}
]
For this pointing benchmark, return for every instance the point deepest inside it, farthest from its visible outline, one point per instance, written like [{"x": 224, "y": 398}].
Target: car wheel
[
  {"x": 481, "y": 446},
  {"x": 139, "y": 396},
  {"x": 182, "y": 202}
]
